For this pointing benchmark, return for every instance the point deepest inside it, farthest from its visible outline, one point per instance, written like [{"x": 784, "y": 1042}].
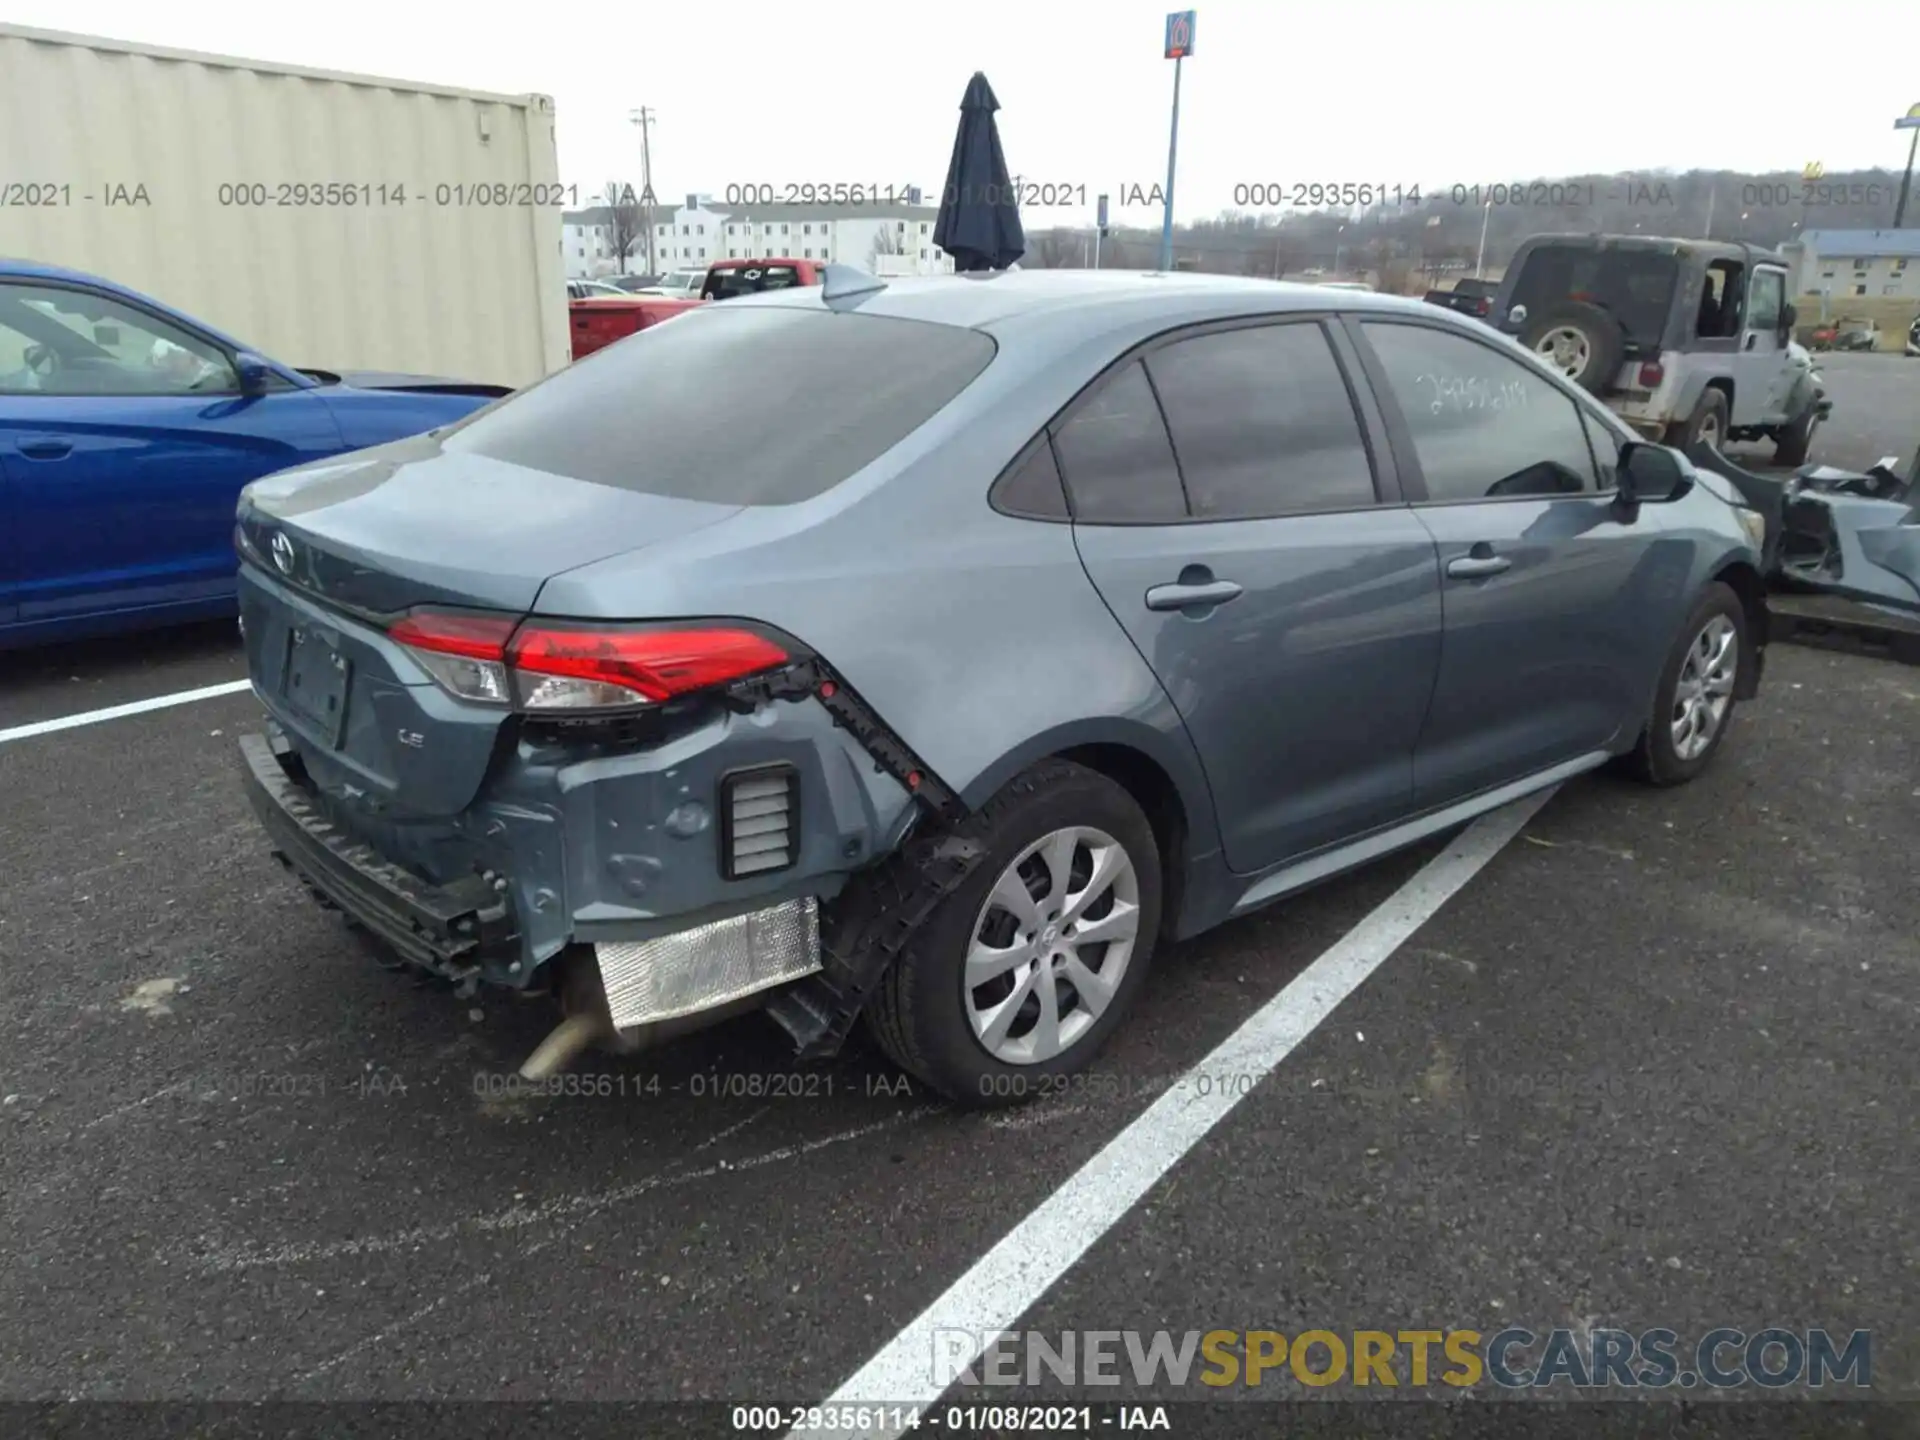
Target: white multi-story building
[
  {"x": 1857, "y": 264},
  {"x": 587, "y": 245},
  {"x": 891, "y": 239}
]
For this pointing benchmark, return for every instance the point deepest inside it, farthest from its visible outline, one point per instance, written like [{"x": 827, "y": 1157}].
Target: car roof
[
  {"x": 12, "y": 269},
  {"x": 1663, "y": 243},
  {"x": 1091, "y": 299}
]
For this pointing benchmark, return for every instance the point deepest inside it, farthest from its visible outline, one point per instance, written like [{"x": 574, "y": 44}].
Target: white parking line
[
  {"x": 115, "y": 712},
  {"x": 1008, "y": 1279}
]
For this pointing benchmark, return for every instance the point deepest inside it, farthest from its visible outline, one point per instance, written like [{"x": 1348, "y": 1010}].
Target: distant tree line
[{"x": 1421, "y": 244}]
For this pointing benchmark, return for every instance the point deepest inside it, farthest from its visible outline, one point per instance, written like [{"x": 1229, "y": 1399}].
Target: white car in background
[{"x": 679, "y": 284}]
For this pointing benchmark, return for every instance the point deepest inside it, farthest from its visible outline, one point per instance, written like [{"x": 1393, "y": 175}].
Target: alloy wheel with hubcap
[
  {"x": 1705, "y": 687},
  {"x": 1023, "y": 971},
  {"x": 1051, "y": 945}
]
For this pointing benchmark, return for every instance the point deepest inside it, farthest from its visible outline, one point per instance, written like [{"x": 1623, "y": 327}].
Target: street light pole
[
  {"x": 1179, "y": 46},
  {"x": 1480, "y": 260},
  {"x": 1909, "y": 121},
  {"x": 644, "y": 118},
  {"x": 1173, "y": 149}
]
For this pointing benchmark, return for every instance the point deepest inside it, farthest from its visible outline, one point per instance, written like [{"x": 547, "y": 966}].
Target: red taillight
[
  {"x": 651, "y": 664},
  {"x": 1483, "y": 307},
  {"x": 545, "y": 665},
  {"x": 1651, "y": 374},
  {"x": 478, "y": 637}
]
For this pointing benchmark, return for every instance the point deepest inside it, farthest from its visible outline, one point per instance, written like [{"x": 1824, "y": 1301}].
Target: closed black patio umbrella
[{"x": 979, "y": 224}]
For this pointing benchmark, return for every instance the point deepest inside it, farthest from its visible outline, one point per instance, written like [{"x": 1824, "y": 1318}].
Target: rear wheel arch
[
  {"x": 1156, "y": 768},
  {"x": 1154, "y": 790}
]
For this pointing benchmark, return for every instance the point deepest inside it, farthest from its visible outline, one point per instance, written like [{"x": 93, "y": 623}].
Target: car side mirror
[
  {"x": 253, "y": 372},
  {"x": 1651, "y": 475},
  {"x": 1789, "y": 317}
]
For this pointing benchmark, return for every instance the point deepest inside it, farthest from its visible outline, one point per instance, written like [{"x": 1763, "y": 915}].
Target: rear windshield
[
  {"x": 724, "y": 284},
  {"x": 739, "y": 405},
  {"x": 1635, "y": 285}
]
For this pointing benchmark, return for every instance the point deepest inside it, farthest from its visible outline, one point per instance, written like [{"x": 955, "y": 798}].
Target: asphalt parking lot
[{"x": 1653, "y": 1065}]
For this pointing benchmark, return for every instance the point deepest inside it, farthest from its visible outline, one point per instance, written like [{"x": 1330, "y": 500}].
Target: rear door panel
[
  {"x": 1304, "y": 696},
  {"x": 1305, "y": 689}
]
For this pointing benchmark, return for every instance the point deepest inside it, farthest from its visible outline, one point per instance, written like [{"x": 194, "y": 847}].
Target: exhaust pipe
[
  {"x": 571, "y": 1038},
  {"x": 586, "y": 1021}
]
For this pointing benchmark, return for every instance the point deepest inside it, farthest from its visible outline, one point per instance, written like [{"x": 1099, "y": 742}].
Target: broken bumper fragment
[{"x": 1850, "y": 533}]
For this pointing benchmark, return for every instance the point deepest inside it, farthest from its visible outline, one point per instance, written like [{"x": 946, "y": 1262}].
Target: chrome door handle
[
  {"x": 1477, "y": 567},
  {"x": 1191, "y": 597}
]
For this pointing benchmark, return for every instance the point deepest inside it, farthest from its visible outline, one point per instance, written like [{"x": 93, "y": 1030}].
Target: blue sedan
[{"x": 126, "y": 432}]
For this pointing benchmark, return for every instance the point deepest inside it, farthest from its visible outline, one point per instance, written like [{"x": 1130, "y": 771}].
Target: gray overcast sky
[{"x": 1356, "y": 90}]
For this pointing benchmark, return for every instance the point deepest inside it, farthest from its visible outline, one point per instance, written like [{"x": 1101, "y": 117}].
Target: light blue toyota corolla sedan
[{"x": 935, "y": 652}]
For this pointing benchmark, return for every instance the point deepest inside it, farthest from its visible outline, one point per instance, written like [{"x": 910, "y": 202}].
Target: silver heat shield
[{"x": 709, "y": 965}]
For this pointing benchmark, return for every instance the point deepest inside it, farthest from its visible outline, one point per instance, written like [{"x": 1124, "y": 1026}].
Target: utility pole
[
  {"x": 644, "y": 118},
  {"x": 1480, "y": 259}
]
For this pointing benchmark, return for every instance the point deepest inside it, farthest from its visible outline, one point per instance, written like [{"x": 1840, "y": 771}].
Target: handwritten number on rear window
[{"x": 1472, "y": 392}]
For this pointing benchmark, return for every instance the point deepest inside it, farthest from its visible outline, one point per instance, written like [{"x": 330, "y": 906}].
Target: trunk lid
[
  {"x": 408, "y": 524},
  {"x": 333, "y": 552}
]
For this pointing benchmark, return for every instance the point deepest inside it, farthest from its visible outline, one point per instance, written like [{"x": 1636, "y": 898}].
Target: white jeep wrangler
[{"x": 1688, "y": 341}]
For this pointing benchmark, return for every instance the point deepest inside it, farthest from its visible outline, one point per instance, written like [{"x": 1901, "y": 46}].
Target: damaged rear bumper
[
  {"x": 459, "y": 929},
  {"x": 448, "y": 929}
]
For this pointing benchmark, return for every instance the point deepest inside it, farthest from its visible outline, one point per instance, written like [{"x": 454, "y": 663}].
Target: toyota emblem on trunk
[{"x": 282, "y": 554}]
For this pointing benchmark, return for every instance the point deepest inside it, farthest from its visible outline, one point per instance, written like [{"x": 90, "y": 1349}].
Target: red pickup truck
[{"x": 601, "y": 321}]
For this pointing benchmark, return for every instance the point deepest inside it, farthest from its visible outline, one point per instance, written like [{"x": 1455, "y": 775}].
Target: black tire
[
  {"x": 1605, "y": 340},
  {"x": 1654, "y": 759},
  {"x": 1712, "y": 406},
  {"x": 918, "y": 1011},
  {"x": 1791, "y": 445}
]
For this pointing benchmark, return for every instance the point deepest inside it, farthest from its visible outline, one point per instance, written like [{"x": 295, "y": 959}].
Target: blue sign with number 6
[{"x": 1179, "y": 34}]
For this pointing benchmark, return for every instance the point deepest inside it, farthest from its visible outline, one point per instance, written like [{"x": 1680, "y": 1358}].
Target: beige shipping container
[{"x": 330, "y": 221}]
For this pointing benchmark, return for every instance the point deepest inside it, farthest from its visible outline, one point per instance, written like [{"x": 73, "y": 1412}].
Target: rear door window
[
  {"x": 1116, "y": 458},
  {"x": 708, "y": 408},
  {"x": 1634, "y": 285},
  {"x": 1262, "y": 423}
]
